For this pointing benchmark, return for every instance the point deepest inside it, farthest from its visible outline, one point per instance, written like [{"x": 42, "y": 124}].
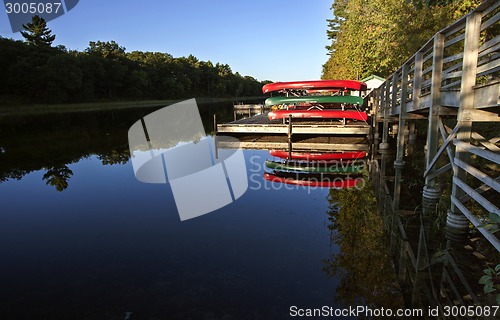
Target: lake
[{"x": 82, "y": 238}]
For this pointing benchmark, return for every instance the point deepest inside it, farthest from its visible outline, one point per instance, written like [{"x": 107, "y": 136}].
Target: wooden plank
[
  {"x": 489, "y": 46},
  {"x": 454, "y": 40},
  {"x": 485, "y": 142},
  {"x": 451, "y": 85},
  {"x": 490, "y": 66},
  {"x": 490, "y": 237},
  {"x": 451, "y": 75},
  {"x": 417, "y": 80},
  {"x": 467, "y": 97},
  {"x": 481, "y": 189},
  {"x": 439, "y": 171},
  {"x": 454, "y": 57},
  {"x": 484, "y": 116},
  {"x": 490, "y": 21},
  {"x": 444, "y": 136},
  {"x": 297, "y": 129},
  {"x": 453, "y": 67},
  {"x": 490, "y": 207},
  {"x": 266, "y": 145},
  {"x": 487, "y": 6},
  {"x": 483, "y": 177},
  {"x": 494, "y": 157}
]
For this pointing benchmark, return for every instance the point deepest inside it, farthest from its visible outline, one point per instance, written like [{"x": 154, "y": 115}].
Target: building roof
[{"x": 372, "y": 77}]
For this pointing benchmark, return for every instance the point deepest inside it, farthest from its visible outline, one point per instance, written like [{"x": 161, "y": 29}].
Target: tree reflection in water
[
  {"x": 58, "y": 177},
  {"x": 364, "y": 265}
]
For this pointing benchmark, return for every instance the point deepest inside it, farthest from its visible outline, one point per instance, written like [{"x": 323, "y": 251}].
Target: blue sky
[{"x": 280, "y": 40}]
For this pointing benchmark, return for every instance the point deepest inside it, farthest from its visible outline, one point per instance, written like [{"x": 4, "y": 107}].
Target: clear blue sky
[{"x": 278, "y": 40}]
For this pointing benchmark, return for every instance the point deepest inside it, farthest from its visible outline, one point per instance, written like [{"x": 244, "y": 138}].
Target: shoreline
[{"x": 37, "y": 109}]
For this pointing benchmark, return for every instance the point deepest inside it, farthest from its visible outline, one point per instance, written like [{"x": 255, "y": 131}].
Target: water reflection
[
  {"x": 109, "y": 244},
  {"x": 51, "y": 142},
  {"x": 316, "y": 169},
  {"x": 58, "y": 177},
  {"x": 363, "y": 263}
]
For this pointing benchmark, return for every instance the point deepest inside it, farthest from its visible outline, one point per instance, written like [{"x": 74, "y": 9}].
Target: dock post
[
  {"x": 431, "y": 192},
  {"x": 456, "y": 222},
  {"x": 399, "y": 162},
  {"x": 386, "y": 108},
  {"x": 289, "y": 127},
  {"x": 215, "y": 124}
]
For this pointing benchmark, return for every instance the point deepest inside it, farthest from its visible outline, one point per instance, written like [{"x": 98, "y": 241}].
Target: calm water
[{"x": 81, "y": 238}]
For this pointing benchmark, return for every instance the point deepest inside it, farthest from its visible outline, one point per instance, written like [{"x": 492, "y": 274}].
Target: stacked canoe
[
  {"x": 327, "y": 99},
  {"x": 332, "y": 170}
]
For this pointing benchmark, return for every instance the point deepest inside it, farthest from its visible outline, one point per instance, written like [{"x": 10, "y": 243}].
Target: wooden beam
[
  {"x": 478, "y": 174},
  {"x": 443, "y": 147},
  {"x": 440, "y": 171},
  {"x": 477, "y": 115},
  {"x": 433, "y": 128},
  {"x": 490, "y": 207},
  {"x": 481, "y": 189},
  {"x": 485, "y": 142},
  {"x": 467, "y": 97},
  {"x": 417, "y": 80},
  {"x": 494, "y": 157},
  {"x": 444, "y": 136}
]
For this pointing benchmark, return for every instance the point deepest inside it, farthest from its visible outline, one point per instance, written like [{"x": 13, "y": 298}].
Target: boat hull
[
  {"x": 321, "y": 114},
  {"x": 318, "y": 167},
  {"x": 338, "y": 183},
  {"x": 315, "y": 84},
  {"x": 314, "y": 100},
  {"x": 310, "y": 156}
]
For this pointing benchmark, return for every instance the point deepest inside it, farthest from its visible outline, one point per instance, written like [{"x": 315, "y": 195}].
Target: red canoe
[
  {"x": 308, "y": 156},
  {"x": 315, "y": 84},
  {"x": 327, "y": 183},
  {"x": 315, "y": 113}
]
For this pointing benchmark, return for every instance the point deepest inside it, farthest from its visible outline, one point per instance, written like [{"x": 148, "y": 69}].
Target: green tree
[
  {"x": 376, "y": 37},
  {"x": 37, "y": 33}
]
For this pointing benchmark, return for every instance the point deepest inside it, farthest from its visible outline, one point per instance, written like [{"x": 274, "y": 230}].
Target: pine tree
[{"x": 37, "y": 33}]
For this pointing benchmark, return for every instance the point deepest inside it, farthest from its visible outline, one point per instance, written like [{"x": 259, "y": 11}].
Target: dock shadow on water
[{"x": 83, "y": 239}]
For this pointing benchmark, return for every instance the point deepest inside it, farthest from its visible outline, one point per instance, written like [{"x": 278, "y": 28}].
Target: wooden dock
[
  {"x": 450, "y": 89},
  {"x": 260, "y": 124},
  {"x": 301, "y": 143}
]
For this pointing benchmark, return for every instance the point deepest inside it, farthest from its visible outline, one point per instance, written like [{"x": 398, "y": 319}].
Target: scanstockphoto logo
[
  {"x": 21, "y": 12},
  {"x": 170, "y": 146}
]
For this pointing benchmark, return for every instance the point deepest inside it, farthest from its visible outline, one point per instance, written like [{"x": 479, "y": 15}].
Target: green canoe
[
  {"x": 318, "y": 168},
  {"x": 314, "y": 100}
]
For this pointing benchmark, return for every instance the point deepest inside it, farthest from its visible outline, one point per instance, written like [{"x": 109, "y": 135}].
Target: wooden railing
[{"x": 455, "y": 75}]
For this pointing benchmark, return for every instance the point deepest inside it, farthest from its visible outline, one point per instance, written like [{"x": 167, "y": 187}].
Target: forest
[
  {"x": 378, "y": 36},
  {"x": 33, "y": 71}
]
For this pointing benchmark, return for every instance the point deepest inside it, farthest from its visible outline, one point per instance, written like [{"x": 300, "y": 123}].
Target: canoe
[
  {"x": 315, "y": 84},
  {"x": 314, "y": 100},
  {"x": 325, "y": 114},
  {"x": 325, "y": 183},
  {"x": 309, "y": 156},
  {"x": 338, "y": 167}
]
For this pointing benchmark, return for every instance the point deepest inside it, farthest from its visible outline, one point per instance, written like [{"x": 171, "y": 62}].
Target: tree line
[
  {"x": 33, "y": 71},
  {"x": 378, "y": 36}
]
